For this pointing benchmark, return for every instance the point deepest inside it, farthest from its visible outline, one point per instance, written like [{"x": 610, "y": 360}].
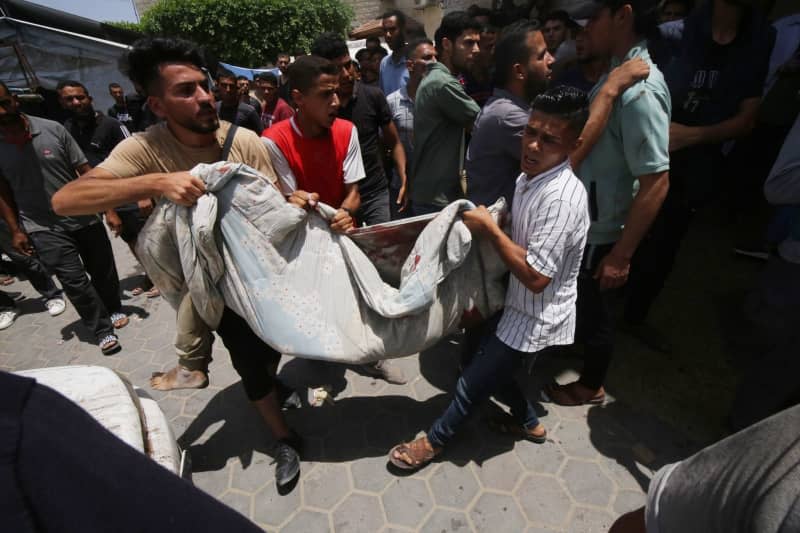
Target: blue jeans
[{"x": 491, "y": 372}]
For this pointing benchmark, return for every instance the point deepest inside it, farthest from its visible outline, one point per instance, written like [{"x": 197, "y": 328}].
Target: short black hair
[
  {"x": 414, "y": 44},
  {"x": 71, "y": 83},
  {"x": 268, "y": 77},
  {"x": 330, "y": 45},
  {"x": 559, "y": 15},
  {"x": 225, "y": 73},
  {"x": 453, "y": 25},
  {"x": 475, "y": 11},
  {"x": 564, "y": 102},
  {"x": 304, "y": 72},
  {"x": 5, "y": 88},
  {"x": 511, "y": 48},
  {"x": 114, "y": 85},
  {"x": 373, "y": 39},
  {"x": 646, "y": 14},
  {"x": 239, "y": 78},
  {"x": 282, "y": 54},
  {"x": 399, "y": 15},
  {"x": 143, "y": 60}
]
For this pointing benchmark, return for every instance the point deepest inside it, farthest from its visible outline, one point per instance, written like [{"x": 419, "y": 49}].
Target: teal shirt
[
  {"x": 442, "y": 110},
  {"x": 634, "y": 143}
]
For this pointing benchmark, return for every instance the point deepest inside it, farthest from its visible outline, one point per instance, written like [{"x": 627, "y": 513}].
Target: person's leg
[
  {"x": 98, "y": 258},
  {"x": 193, "y": 342},
  {"x": 58, "y": 252},
  {"x": 374, "y": 208},
  {"x": 37, "y": 274},
  {"x": 491, "y": 368},
  {"x": 424, "y": 209}
]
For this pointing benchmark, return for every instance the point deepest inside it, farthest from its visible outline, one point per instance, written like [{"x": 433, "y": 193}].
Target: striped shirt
[{"x": 550, "y": 219}]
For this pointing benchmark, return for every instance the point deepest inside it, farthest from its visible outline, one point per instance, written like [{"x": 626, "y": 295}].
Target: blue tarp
[{"x": 249, "y": 73}]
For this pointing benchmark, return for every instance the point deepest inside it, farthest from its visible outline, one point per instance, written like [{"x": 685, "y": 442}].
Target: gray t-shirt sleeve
[{"x": 645, "y": 132}]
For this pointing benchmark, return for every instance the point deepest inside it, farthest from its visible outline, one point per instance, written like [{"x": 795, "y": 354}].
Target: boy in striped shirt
[{"x": 550, "y": 220}]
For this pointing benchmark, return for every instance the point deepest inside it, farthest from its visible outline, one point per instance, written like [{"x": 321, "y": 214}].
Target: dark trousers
[
  {"x": 60, "y": 470},
  {"x": 30, "y": 266},
  {"x": 655, "y": 257},
  {"x": 594, "y": 327},
  {"x": 71, "y": 255},
  {"x": 6, "y": 302},
  {"x": 769, "y": 382},
  {"x": 255, "y": 361},
  {"x": 490, "y": 372},
  {"x": 374, "y": 208}
]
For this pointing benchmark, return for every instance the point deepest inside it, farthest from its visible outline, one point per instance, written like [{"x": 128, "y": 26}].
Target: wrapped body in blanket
[{"x": 311, "y": 293}]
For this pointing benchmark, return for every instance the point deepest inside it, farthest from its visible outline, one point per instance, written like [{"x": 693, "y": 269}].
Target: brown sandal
[
  {"x": 419, "y": 453},
  {"x": 508, "y": 425},
  {"x": 565, "y": 395}
]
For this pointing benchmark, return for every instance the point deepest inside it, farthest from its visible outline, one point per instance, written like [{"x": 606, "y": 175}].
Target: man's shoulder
[
  {"x": 372, "y": 92},
  {"x": 45, "y": 124},
  {"x": 654, "y": 86}
]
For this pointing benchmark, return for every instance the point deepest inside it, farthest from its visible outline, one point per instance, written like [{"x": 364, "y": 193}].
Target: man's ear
[
  {"x": 447, "y": 46},
  {"x": 297, "y": 97},
  {"x": 519, "y": 70}
]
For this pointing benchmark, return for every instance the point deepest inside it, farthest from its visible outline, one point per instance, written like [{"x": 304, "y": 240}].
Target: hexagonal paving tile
[
  {"x": 257, "y": 474},
  {"x": 370, "y": 473},
  {"x": 326, "y": 485},
  {"x": 585, "y": 520},
  {"x": 446, "y": 521},
  {"x": 544, "y": 501},
  {"x": 358, "y": 513},
  {"x": 588, "y": 483},
  {"x": 500, "y": 472},
  {"x": 453, "y": 486},
  {"x": 574, "y": 438},
  {"x": 272, "y": 508},
  {"x": 540, "y": 459},
  {"x": 497, "y": 513},
  {"x": 238, "y": 502},
  {"x": 307, "y": 522},
  {"x": 629, "y": 500},
  {"x": 407, "y": 501}
]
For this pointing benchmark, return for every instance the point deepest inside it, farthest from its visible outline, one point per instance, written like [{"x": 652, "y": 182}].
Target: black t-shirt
[
  {"x": 369, "y": 111},
  {"x": 98, "y": 137},
  {"x": 242, "y": 115},
  {"x": 122, "y": 114}
]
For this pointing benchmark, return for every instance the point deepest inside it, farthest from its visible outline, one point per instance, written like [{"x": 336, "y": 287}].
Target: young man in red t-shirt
[
  {"x": 315, "y": 154},
  {"x": 274, "y": 109}
]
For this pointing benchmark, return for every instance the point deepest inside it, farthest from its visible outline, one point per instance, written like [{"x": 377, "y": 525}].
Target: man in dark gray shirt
[
  {"x": 230, "y": 107},
  {"x": 493, "y": 157},
  {"x": 38, "y": 157}
]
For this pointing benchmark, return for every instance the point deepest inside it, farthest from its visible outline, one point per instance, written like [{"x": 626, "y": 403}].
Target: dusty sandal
[
  {"x": 567, "y": 396},
  {"x": 417, "y": 453},
  {"x": 508, "y": 425}
]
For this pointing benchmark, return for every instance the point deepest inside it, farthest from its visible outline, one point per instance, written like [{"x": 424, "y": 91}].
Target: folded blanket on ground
[{"x": 305, "y": 290}]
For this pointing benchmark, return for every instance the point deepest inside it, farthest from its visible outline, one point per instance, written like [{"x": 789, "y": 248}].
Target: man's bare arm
[
  {"x": 392, "y": 140},
  {"x": 617, "y": 82},
  {"x": 99, "y": 190},
  {"x": 739, "y": 125},
  {"x": 612, "y": 272}
]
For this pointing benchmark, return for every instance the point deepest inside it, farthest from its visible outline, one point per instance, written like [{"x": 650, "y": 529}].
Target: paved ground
[{"x": 595, "y": 466}]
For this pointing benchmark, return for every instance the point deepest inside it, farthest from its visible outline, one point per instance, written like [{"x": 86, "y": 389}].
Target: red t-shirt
[
  {"x": 322, "y": 164},
  {"x": 281, "y": 111}
]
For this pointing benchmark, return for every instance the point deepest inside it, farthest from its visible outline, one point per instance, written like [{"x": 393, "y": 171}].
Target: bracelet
[{"x": 347, "y": 210}]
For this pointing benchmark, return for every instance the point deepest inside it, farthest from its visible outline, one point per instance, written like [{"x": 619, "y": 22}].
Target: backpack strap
[{"x": 226, "y": 148}]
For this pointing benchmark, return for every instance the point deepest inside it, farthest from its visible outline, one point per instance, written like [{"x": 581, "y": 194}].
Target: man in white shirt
[{"x": 550, "y": 221}]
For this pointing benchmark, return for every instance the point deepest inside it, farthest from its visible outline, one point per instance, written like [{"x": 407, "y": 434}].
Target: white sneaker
[
  {"x": 7, "y": 318},
  {"x": 55, "y": 306}
]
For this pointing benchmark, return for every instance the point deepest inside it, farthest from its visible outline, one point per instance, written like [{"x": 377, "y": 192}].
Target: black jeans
[
  {"x": 71, "y": 255},
  {"x": 30, "y": 266},
  {"x": 594, "y": 328},
  {"x": 374, "y": 208},
  {"x": 655, "y": 257},
  {"x": 255, "y": 361}
]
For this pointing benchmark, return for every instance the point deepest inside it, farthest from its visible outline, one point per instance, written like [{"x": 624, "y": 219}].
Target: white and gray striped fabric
[{"x": 550, "y": 218}]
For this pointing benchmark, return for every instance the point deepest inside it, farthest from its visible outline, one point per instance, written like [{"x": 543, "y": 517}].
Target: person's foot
[
  {"x": 573, "y": 394},
  {"x": 55, "y": 306},
  {"x": 8, "y": 317},
  {"x": 179, "y": 378},
  {"x": 287, "y": 460},
  {"x": 383, "y": 370},
  {"x": 413, "y": 455},
  {"x": 109, "y": 344},
  {"x": 649, "y": 336},
  {"x": 119, "y": 320}
]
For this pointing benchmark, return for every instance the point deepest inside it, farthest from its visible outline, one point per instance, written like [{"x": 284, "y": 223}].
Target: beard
[
  {"x": 202, "y": 124},
  {"x": 535, "y": 85}
]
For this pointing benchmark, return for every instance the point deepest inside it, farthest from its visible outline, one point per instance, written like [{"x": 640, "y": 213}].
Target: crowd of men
[{"x": 604, "y": 135}]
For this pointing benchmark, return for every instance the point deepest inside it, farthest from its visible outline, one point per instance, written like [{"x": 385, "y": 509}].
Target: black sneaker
[
  {"x": 288, "y": 397},
  {"x": 287, "y": 461}
]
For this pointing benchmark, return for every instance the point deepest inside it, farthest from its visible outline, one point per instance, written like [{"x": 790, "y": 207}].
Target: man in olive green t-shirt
[{"x": 443, "y": 112}]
